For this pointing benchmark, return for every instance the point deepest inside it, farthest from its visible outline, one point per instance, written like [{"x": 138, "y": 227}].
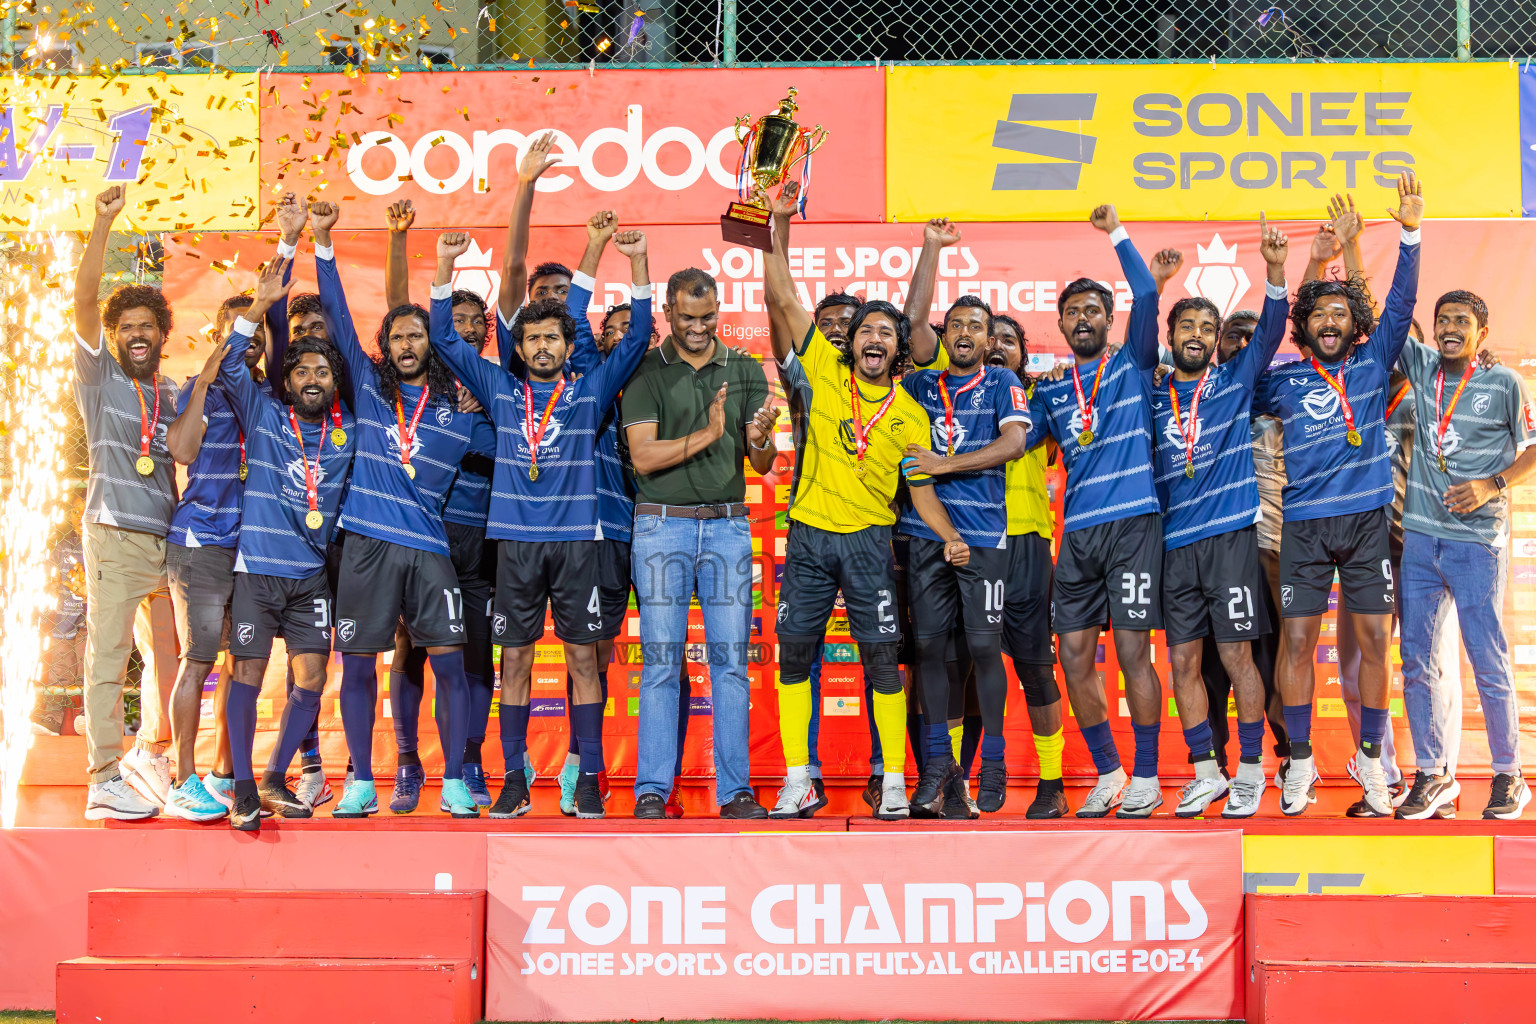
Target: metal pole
[
  {"x": 1463, "y": 29},
  {"x": 728, "y": 30}
]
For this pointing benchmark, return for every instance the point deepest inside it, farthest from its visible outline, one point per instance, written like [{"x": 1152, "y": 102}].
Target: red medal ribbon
[
  {"x": 311, "y": 485},
  {"x": 949, "y": 406},
  {"x": 860, "y": 428},
  {"x": 407, "y": 435},
  {"x": 146, "y": 421},
  {"x": 1085, "y": 405},
  {"x": 1443, "y": 419},
  {"x": 536, "y": 435},
  {"x": 1338, "y": 389},
  {"x": 1402, "y": 392},
  {"x": 336, "y": 411},
  {"x": 1194, "y": 415}
]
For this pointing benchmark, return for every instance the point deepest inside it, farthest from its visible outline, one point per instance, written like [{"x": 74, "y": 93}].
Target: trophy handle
[
  {"x": 740, "y": 122},
  {"x": 811, "y": 141}
]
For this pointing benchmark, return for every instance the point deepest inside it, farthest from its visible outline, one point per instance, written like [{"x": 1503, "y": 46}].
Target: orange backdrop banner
[
  {"x": 1059, "y": 925},
  {"x": 1019, "y": 268}
]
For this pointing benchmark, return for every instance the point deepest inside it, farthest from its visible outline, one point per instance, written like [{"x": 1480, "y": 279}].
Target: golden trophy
[{"x": 769, "y": 149}]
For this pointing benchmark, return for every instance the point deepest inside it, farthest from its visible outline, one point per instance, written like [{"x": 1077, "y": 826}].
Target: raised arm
[
  {"x": 184, "y": 437},
  {"x": 1397, "y": 311},
  {"x": 92, "y": 265},
  {"x": 938, "y": 235},
  {"x": 333, "y": 298},
  {"x": 584, "y": 354},
  {"x": 1165, "y": 264},
  {"x": 1141, "y": 333},
  {"x": 245, "y": 398},
  {"x": 480, "y": 376},
  {"x": 1274, "y": 246},
  {"x": 621, "y": 363},
  {"x": 788, "y": 322},
  {"x": 514, "y": 257},
  {"x": 292, "y": 215},
  {"x": 1346, "y": 228},
  {"x": 1325, "y": 248},
  {"x": 397, "y": 279}
]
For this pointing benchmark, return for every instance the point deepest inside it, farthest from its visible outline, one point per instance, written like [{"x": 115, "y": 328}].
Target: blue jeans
[
  {"x": 673, "y": 559},
  {"x": 1434, "y": 573}
]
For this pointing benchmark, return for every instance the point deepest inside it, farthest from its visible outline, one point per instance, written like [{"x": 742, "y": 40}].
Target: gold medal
[
  {"x": 410, "y": 470},
  {"x": 1189, "y": 470},
  {"x": 1442, "y": 463},
  {"x": 314, "y": 519},
  {"x": 338, "y": 437},
  {"x": 145, "y": 465},
  {"x": 1085, "y": 438},
  {"x": 1353, "y": 437},
  {"x": 244, "y": 471},
  {"x": 533, "y": 472}
]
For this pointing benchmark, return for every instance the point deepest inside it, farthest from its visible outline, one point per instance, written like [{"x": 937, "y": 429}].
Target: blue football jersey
[
  {"x": 1325, "y": 474},
  {"x": 976, "y": 502},
  {"x": 1223, "y": 495},
  {"x": 1110, "y": 478},
  {"x": 275, "y": 539},
  {"x": 385, "y": 502},
  {"x": 469, "y": 499}
]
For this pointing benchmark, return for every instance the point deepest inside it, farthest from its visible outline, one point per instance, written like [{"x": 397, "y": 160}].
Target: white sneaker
[
  {"x": 116, "y": 799},
  {"x": 1246, "y": 792},
  {"x": 1298, "y": 790},
  {"x": 1201, "y": 792},
  {"x": 1375, "y": 802},
  {"x": 1105, "y": 796},
  {"x": 149, "y": 774},
  {"x": 313, "y": 789},
  {"x": 893, "y": 798},
  {"x": 795, "y": 796},
  {"x": 1141, "y": 798},
  {"x": 1397, "y": 786}
]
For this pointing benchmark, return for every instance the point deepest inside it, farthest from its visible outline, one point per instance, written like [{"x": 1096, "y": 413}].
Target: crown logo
[
  {"x": 1217, "y": 253},
  {"x": 472, "y": 272}
]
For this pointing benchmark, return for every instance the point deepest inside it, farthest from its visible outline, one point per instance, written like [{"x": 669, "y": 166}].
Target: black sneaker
[
  {"x": 589, "y": 796},
  {"x": 513, "y": 801},
  {"x": 245, "y": 816},
  {"x": 820, "y": 786},
  {"x": 1507, "y": 797},
  {"x": 992, "y": 786},
  {"x": 1050, "y": 801},
  {"x": 937, "y": 774},
  {"x": 957, "y": 802},
  {"x": 745, "y": 806},
  {"x": 651, "y": 807},
  {"x": 1428, "y": 795},
  {"x": 284, "y": 801},
  {"x": 871, "y": 792}
]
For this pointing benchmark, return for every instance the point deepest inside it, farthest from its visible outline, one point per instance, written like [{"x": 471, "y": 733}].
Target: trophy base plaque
[{"x": 745, "y": 224}]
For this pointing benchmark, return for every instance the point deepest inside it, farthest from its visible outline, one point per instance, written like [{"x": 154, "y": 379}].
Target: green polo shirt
[{"x": 667, "y": 391}]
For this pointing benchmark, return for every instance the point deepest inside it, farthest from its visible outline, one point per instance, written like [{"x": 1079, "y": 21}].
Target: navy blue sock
[
  {"x": 938, "y": 740},
  {"x": 1373, "y": 727},
  {"x": 452, "y": 710},
  {"x": 514, "y": 734},
  {"x": 970, "y": 739},
  {"x": 1202, "y": 745},
  {"x": 1101, "y": 744},
  {"x": 481, "y": 692},
  {"x": 309, "y": 751},
  {"x": 684, "y": 698},
  {"x": 359, "y": 693},
  {"x": 813, "y": 735},
  {"x": 1146, "y": 749},
  {"x": 587, "y": 720},
  {"x": 1250, "y": 741},
  {"x": 917, "y": 732},
  {"x": 570, "y": 714},
  {"x": 407, "y": 688},
  {"x": 876, "y": 752},
  {"x": 992, "y": 748},
  {"x": 302, "y": 711},
  {"x": 1298, "y": 722},
  {"x": 240, "y": 720}
]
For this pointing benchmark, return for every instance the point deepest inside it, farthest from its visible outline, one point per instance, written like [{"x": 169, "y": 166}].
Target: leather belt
[{"x": 692, "y": 511}]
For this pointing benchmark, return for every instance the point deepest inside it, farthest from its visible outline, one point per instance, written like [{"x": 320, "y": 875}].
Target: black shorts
[
  {"x": 264, "y": 607},
  {"x": 818, "y": 563},
  {"x": 901, "y": 558},
  {"x": 944, "y": 596},
  {"x": 1027, "y": 606},
  {"x": 202, "y": 583},
  {"x": 383, "y": 583},
  {"x": 613, "y": 588},
  {"x": 474, "y": 562},
  {"x": 563, "y": 575},
  {"x": 1110, "y": 574},
  {"x": 1357, "y": 545},
  {"x": 1215, "y": 587}
]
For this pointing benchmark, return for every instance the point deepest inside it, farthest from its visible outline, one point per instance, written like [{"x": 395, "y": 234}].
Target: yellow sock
[
  {"x": 795, "y": 723},
  {"x": 1049, "y": 749},
  {"x": 891, "y": 723},
  {"x": 954, "y": 740}
]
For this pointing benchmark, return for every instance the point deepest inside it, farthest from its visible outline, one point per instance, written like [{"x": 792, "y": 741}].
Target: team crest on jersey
[
  {"x": 245, "y": 632},
  {"x": 1321, "y": 403},
  {"x": 551, "y": 432},
  {"x": 1075, "y": 424},
  {"x": 1172, "y": 432},
  {"x": 444, "y": 415},
  {"x": 346, "y": 629},
  {"x": 978, "y": 398},
  {"x": 295, "y": 470},
  {"x": 392, "y": 434},
  {"x": 1286, "y": 593},
  {"x": 1481, "y": 403},
  {"x": 1451, "y": 443},
  {"x": 944, "y": 436},
  {"x": 1393, "y": 444}
]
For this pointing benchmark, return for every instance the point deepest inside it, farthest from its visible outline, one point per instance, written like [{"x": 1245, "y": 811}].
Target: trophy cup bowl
[{"x": 772, "y": 147}]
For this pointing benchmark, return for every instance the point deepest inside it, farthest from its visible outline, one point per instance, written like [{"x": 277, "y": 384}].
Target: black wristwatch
[{"x": 1500, "y": 482}]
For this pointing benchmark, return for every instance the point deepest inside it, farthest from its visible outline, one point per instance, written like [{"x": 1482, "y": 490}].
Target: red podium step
[
  {"x": 1331, "y": 992},
  {"x": 264, "y": 923},
  {"x": 199, "y": 990}
]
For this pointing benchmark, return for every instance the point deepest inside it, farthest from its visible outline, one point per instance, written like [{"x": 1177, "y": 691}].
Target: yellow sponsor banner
[
  {"x": 1389, "y": 864},
  {"x": 186, "y": 147},
  {"x": 1188, "y": 142}
]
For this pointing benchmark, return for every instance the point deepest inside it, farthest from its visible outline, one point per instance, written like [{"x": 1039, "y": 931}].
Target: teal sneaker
[
  {"x": 222, "y": 790},
  {"x": 192, "y": 802},
  {"x": 457, "y": 801},
  {"x": 568, "y": 776},
  {"x": 358, "y": 800}
]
